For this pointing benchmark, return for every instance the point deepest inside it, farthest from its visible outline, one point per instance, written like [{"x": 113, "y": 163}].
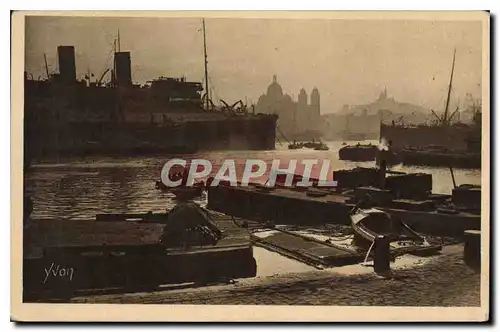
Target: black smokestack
[
  {"x": 123, "y": 68},
  {"x": 67, "y": 67}
]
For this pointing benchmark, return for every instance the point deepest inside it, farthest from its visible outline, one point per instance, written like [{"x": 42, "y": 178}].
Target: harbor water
[{"x": 78, "y": 188}]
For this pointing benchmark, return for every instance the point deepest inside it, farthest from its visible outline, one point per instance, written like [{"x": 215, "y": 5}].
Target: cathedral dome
[{"x": 274, "y": 89}]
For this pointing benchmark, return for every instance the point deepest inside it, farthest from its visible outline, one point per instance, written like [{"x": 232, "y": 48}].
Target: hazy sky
[{"x": 349, "y": 61}]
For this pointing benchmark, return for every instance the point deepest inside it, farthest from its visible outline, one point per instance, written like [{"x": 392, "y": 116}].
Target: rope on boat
[
  {"x": 244, "y": 224},
  {"x": 279, "y": 141},
  {"x": 335, "y": 238},
  {"x": 369, "y": 251}
]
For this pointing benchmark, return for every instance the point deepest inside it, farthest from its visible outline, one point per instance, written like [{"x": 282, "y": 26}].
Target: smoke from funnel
[{"x": 383, "y": 145}]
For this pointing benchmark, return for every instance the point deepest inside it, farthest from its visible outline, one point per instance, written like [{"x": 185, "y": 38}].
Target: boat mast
[
  {"x": 116, "y": 49},
  {"x": 46, "y": 66},
  {"x": 206, "y": 62},
  {"x": 445, "y": 116},
  {"x": 118, "y": 40}
]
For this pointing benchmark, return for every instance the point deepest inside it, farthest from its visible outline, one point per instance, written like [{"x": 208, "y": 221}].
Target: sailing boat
[
  {"x": 445, "y": 120},
  {"x": 207, "y": 102},
  {"x": 237, "y": 108},
  {"x": 443, "y": 131},
  {"x": 446, "y": 153}
]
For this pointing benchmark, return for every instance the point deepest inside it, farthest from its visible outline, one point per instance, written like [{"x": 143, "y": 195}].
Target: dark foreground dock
[
  {"x": 65, "y": 256},
  {"x": 444, "y": 281}
]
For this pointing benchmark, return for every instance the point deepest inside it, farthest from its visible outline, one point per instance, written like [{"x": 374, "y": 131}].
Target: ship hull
[
  {"x": 75, "y": 119},
  {"x": 432, "y": 158},
  {"x": 450, "y": 137},
  {"x": 115, "y": 138}
]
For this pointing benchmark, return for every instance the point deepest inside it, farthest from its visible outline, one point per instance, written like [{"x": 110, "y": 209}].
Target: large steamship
[{"x": 110, "y": 114}]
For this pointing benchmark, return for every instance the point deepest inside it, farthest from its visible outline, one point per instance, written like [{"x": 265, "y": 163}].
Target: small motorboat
[
  {"x": 183, "y": 192},
  {"x": 367, "y": 224},
  {"x": 295, "y": 145},
  {"x": 316, "y": 145},
  {"x": 322, "y": 147},
  {"x": 187, "y": 193}
]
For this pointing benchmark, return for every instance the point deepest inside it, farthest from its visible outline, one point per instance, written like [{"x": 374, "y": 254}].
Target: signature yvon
[{"x": 57, "y": 271}]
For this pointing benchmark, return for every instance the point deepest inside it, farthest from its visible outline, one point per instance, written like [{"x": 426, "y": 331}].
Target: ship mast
[
  {"x": 113, "y": 71},
  {"x": 46, "y": 66},
  {"x": 445, "y": 116},
  {"x": 116, "y": 49},
  {"x": 206, "y": 63},
  {"x": 118, "y": 40}
]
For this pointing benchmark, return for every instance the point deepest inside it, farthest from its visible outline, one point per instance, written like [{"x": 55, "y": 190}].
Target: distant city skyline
[{"x": 349, "y": 61}]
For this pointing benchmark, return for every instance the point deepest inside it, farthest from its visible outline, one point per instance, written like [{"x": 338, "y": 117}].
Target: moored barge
[
  {"x": 405, "y": 196},
  {"x": 133, "y": 251}
]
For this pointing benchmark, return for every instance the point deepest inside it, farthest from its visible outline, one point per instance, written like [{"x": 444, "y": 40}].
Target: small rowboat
[
  {"x": 322, "y": 147},
  {"x": 187, "y": 193},
  {"x": 161, "y": 186},
  {"x": 294, "y": 146},
  {"x": 367, "y": 224}
]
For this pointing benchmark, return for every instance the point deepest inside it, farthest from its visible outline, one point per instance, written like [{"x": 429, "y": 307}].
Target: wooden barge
[
  {"x": 127, "y": 252},
  {"x": 359, "y": 152},
  {"x": 405, "y": 196}
]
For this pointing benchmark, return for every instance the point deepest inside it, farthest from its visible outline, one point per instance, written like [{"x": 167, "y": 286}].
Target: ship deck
[{"x": 53, "y": 235}]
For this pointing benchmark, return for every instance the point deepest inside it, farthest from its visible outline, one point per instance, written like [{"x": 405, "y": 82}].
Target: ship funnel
[
  {"x": 67, "y": 67},
  {"x": 123, "y": 68}
]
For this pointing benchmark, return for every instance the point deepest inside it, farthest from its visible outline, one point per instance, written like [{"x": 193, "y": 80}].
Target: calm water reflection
[{"x": 79, "y": 188}]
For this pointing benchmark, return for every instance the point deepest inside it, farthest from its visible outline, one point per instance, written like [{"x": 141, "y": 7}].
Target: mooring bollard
[
  {"x": 381, "y": 260},
  {"x": 472, "y": 248}
]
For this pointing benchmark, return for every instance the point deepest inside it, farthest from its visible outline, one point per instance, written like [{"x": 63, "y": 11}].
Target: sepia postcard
[{"x": 250, "y": 166}]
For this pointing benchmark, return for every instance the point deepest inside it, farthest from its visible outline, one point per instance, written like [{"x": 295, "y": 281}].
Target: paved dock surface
[{"x": 442, "y": 281}]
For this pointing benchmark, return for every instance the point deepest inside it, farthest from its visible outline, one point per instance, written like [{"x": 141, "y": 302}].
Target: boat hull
[
  {"x": 65, "y": 257},
  {"x": 431, "y": 158}
]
